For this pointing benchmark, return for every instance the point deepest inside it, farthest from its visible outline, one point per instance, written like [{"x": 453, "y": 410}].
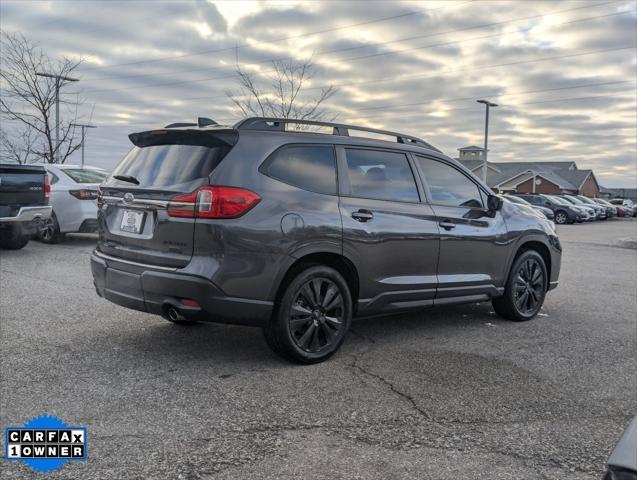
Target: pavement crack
[{"x": 408, "y": 398}]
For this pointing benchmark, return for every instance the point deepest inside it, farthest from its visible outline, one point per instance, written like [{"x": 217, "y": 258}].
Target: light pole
[
  {"x": 487, "y": 104},
  {"x": 58, "y": 78},
  {"x": 82, "y": 126}
]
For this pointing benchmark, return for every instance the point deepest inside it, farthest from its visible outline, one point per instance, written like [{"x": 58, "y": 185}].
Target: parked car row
[
  {"x": 574, "y": 208},
  {"x": 625, "y": 207}
]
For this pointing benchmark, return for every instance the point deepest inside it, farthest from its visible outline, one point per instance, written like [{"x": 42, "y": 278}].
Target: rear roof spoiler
[{"x": 204, "y": 138}]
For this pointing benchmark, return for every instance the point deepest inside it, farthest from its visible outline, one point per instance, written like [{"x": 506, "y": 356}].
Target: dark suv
[
  {"x": 271, "y": 224},
  {"x": 563, "y": 211}
]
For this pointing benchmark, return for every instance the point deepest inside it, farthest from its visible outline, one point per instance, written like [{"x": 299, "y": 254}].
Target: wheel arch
[
  {"x": 540, "y": 247},
  {"x": 338, "y": 262}
]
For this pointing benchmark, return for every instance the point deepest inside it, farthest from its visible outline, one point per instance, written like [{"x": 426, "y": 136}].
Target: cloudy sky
[{"x": 564, "y": 73}]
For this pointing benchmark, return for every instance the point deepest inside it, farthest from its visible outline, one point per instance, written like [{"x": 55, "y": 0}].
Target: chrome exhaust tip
[{"x": 174, "y": 315}]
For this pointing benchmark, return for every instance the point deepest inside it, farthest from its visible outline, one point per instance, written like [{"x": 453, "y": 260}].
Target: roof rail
[{"x": 279, "y": 124}]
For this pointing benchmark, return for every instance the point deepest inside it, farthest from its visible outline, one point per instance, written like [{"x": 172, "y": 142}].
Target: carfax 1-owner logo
[{"x": 45, "y": 443}]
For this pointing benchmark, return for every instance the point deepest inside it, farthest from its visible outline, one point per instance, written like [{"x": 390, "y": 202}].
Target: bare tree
[
  {"x": 282, "y": 94},
  {"x": 28, "y": 100},
  {"x": 17, "y": 145}
]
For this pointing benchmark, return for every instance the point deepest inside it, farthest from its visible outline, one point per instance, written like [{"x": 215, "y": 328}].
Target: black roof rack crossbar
[{"x": 279, "y": 124}]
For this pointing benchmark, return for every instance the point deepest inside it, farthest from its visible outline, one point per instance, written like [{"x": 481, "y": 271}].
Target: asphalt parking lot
[{"x": 441, "y": 394}]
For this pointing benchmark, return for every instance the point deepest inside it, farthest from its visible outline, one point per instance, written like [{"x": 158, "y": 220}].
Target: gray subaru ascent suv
[{"x": 278, "y": 224}]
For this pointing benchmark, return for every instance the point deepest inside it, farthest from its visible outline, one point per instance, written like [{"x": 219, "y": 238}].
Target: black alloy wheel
[
  {"x": 525, "y": 289},
  {"x": 312, "y": 315},
  {"x": 528, "y": 286},
  {"x": 316, "y": 316}
]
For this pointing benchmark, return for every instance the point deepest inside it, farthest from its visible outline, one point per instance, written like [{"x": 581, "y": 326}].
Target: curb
[{"x": 627, "y": 243}]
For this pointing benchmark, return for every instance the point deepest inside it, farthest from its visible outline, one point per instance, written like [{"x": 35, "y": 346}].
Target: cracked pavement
[{"x": 439, "y": 394}]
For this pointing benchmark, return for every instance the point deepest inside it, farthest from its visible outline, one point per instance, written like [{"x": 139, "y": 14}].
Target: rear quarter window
[{"x": 309, "y": 167}]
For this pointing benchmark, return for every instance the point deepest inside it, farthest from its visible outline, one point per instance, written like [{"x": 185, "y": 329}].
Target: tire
[
  {"x": 50, "y": 232},
  {"x": 12, "y": 238},
  {"x": 524, "y": 292},
  {"x": 312, "y": 317},
  {"x": 561, "y": 217}
]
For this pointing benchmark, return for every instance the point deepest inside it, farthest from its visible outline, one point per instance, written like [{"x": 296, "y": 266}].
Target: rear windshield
[
  {"x": 85, "y": 175},
  {"x": 169, "y": 167}
]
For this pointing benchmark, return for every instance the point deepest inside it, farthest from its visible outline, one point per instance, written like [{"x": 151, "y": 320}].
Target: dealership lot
[{"x": 441, "y": 394}]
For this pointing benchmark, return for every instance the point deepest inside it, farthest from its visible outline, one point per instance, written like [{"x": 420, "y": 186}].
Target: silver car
[{"x": 74, "y": 192}]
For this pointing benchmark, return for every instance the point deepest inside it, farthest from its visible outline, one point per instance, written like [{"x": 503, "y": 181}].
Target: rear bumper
[
  {"x": 29, "y": 214},
  {"x": 73, "y": 214},
  {"x": 151, "y": 290}
]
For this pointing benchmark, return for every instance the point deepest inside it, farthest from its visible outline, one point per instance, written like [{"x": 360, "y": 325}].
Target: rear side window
[
  {"x": 381, "y": 175},
  {"x": 85, "y": 175},
  {"x": 170, "y": 167},
  {"x": 449, "y": 186},
  {"x": 309, "y": 167}
]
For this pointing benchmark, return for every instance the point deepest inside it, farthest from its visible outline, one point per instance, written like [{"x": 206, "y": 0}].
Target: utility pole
[
  {"x": 58, "y": 80},
  {"x": 82, "y": 126},
  {"x": 487, "y": 104}
]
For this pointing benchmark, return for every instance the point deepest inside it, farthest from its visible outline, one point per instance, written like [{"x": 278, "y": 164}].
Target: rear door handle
[
  {"x": 447, "y": 224},
  {"x": 362, "y": 215}
]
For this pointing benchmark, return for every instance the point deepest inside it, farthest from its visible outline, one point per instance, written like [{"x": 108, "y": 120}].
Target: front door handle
[
  {"x": 362, "y": 215},
  {"x": 447, "y": 224}
]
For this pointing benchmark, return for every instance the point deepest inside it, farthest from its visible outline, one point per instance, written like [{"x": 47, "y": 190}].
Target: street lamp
[
  {"x": 82, "y": 126},
  {"x": 487, "y": 104},
  {"x": 58, "y": 78}
]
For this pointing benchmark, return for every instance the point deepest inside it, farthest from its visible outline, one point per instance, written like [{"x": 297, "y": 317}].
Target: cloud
[{"x": 566, "y": 91}]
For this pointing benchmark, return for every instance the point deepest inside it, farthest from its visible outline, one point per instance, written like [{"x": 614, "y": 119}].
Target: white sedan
[{"x": 74, "y": 192}]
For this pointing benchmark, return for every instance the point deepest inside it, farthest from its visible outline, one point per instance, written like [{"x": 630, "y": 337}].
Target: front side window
[
  {"x": 449, "y": 186},
  {"x": 381, "y": 175},
  {"x": 309, "y": 167}
]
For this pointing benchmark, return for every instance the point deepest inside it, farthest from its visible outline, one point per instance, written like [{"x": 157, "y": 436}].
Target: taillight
[
  {"x": 100, "y": 199},
  {"x": 213, "y": 202},
  {"x": 84, "y": 194},
  {"x": 47, "y": 187}
]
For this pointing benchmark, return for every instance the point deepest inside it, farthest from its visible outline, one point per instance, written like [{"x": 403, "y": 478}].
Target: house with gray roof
[{"x": 531, "y": 177}]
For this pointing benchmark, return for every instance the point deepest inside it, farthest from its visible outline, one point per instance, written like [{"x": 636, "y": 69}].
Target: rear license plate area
[{"x": 132, "y": 221}]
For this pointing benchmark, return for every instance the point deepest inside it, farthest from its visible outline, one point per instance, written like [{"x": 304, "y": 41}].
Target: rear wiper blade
[{"x": 127, "y": 178}]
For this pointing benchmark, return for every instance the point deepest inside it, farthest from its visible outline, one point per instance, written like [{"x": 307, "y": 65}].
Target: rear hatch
[
  {"x": 140, "y": 216},
  {"x": 20, "y": 186}
]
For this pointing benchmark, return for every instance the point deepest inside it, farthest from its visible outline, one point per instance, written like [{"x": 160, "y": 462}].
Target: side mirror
[{"x": 494, "y": 203}]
